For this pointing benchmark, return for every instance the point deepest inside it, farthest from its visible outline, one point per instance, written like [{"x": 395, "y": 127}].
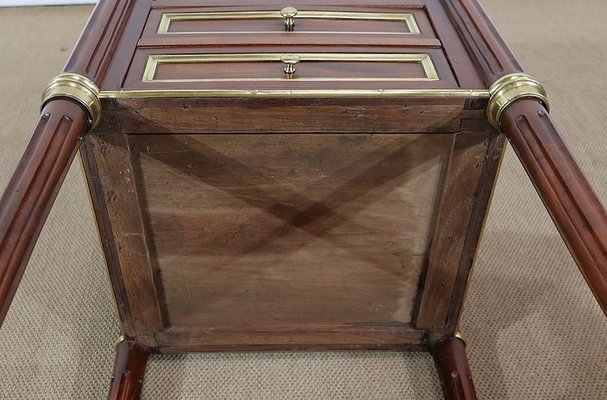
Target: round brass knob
[
  {"x": 289, "y": 60},
  {"x": 289, "y": 13}
]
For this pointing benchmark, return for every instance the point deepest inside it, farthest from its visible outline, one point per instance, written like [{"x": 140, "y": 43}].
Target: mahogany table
[{"x": 303, "y": 176}]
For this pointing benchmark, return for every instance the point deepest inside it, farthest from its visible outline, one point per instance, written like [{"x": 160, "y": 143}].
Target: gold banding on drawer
[
  {"x": 311, "y": 67},
  {"x": 289, "y": 19}
]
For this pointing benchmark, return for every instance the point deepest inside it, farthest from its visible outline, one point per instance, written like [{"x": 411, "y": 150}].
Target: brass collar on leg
[
  {"x": 461, "y": 337},
  {"x": 119, "y": 340},
  {"x": 78, "y": 88},
  {"x": 509, "y": 88}
]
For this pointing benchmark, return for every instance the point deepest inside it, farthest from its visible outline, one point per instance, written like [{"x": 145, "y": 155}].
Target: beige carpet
[{"x": 534, "y": 330}]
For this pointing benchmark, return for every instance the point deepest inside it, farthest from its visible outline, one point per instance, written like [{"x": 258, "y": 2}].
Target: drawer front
[
  {"x": 339, "y": 48},
  {"x": 307, "y": 25},
  {"x": 290, "y": 70},
  {"x": 287, "y": 19},
  {"x": 305, "y": 67},
  {"x": 175, "y": 45}
]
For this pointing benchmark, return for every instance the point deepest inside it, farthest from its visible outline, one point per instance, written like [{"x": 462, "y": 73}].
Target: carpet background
[{"x": 534, "y": 330}]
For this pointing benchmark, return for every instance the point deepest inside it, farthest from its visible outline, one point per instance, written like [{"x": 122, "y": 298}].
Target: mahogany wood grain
[
  {"x": 262, "y": 72},
  {"x": 270, "y": 31},
  {"x": 453, "y": 369},
  {"x": 348, "y": 71},
  {"x": 454, "y": 47},
  {"x": 426, "y": 11},
  {"x": 125, "y": 45},
  {"x": 569, "y": 198},
  {"x": 95, "y": 48},
  {"x": 129, "y": 370},
  {"x": 573, "y": 205},
  {"x": 488, "y": 50},
  {"x": 33, "y": 188},
  {"x": 30, "y": 194}
]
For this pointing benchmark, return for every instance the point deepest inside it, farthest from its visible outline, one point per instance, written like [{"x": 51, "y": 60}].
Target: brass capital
[
  {"x": 509, "y": 88},
  {"x": 76, "y": 87}
]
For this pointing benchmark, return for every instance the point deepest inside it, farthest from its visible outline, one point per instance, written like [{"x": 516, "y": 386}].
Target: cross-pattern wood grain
[{"x": 270, "y": 230}]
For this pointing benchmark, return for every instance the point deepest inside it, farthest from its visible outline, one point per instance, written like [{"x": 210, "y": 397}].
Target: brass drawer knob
[
  {"x": 289, "y": 60},
  {"x": 289, "y": 13}
]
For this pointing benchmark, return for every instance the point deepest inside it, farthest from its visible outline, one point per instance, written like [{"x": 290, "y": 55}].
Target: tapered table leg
[
  {"x": 519, "y": 108},
  {"x": 453, "y": 369},
  {"x": 27, "y": 200},
  {"x": 572, "y": 203},
  {"x": 129, "y": 368}
]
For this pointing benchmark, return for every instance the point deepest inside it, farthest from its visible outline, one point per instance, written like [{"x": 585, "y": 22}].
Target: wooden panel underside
[
  {"x": 290, "y": 338},
  {"x": 308, "y": 231},
  {"x": 194, "y": 115},
  {"x": 109, "y": 176}
]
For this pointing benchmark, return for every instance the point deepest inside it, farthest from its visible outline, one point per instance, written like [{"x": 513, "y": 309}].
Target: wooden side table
[{"x": 310, "y": 176}]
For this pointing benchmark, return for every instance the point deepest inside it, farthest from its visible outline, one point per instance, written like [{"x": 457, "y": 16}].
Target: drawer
[
  {"x": 275, "y": 24},
  {"x": 289, "y": 69}
]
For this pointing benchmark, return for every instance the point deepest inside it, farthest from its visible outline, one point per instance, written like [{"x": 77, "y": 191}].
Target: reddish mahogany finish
[
  {"x": 97, "y": 44},
  {"x": 453, "y": 369},
  {"x": 569, "y": 198},
  {"x": 29, "y": 196},
  {"x": 31, "y": 192},
  {"x": 572, "y": 203},
  {"x": 129, "y": 368},
  {"x": 490, "y": 53}
]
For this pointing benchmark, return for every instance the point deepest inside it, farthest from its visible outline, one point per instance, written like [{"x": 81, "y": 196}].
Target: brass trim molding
[
  {"x": 154, "y": 60},
  {"x": 510, "y": 88},
  {"x": 76, "y": 87},
  {"x": 340, "y": 93},
  {"x": 168, "y": 18}
]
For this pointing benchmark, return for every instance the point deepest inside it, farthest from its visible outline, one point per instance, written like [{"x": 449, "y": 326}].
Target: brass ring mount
[
  {"x": 509, "y": 88},
  {"x": 76, "y": 87}
]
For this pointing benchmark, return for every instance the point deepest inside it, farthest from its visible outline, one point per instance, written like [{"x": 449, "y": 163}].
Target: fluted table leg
[
  {"x": 572, "y": 203},
  {"x": 28, "y": 198}
]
